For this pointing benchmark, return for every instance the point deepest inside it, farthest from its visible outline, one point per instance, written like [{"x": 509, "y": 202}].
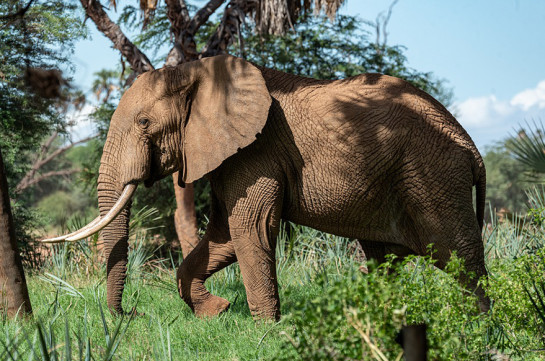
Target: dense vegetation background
[{"x": 333, "y": 310}]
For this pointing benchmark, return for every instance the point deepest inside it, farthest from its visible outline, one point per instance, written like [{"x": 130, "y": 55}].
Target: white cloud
[
  {"x": 482, "y": 111},
  {"x": 489, "y": 119},
  {"x": 530, "y": 97}
]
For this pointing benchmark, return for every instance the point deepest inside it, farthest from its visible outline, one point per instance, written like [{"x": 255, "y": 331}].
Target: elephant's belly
[{"x": 349, "y": 205}]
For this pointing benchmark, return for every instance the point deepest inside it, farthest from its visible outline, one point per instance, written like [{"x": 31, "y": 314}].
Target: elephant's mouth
[{"x": 154, "y": 169}]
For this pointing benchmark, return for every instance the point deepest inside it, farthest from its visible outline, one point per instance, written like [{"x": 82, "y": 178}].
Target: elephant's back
[{"x": 383, "y": 114}]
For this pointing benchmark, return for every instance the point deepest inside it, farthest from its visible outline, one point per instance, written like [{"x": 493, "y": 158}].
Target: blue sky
[{"x": 491, "y": 52}]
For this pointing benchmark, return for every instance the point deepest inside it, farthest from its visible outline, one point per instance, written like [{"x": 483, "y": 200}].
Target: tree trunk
[
  {"x": 185, "y": 217},
  {"x": 13, "y": 289}
]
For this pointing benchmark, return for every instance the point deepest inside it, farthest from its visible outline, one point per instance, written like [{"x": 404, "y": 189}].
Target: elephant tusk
[
  {"x": 121, "y": 203},
  {"x": 60, "y": 239},
  {"x": 100, "y": 222}
]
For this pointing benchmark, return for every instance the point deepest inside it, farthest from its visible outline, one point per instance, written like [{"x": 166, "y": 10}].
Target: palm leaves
[{"x": 528, "y": 147}]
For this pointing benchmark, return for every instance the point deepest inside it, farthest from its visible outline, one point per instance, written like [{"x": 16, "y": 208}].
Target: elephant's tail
[{"x": 480, "y": 187}]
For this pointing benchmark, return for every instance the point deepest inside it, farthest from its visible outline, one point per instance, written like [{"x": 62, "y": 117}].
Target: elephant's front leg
[
  {"x": 254, "y": 223},
  {"x": 214, "y": 252}
]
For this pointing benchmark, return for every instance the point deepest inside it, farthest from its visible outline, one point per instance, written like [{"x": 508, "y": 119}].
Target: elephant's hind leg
[
  {"x": 212, "y": 254},
  {"x": 468, "y": 246},
  {"x": 452, "y": 227}
]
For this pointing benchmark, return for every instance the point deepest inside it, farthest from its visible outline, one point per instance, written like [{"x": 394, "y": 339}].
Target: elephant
[{"x": 370, "y": 157}]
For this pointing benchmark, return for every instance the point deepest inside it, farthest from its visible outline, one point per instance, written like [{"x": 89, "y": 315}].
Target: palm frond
[{"x": 528, "y": 147}]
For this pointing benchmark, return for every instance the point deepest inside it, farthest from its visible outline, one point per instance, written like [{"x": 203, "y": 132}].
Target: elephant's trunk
[
  {"x": 115, "y": 237},
  {"x": 116, "y": 234}
]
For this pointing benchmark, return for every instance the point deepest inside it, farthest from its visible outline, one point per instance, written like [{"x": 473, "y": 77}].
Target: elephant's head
[{"x": 188, "y": 118}]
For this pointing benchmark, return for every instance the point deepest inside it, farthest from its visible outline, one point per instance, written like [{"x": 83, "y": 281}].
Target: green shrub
[
  {"x": 518, "y": 290},
  {"x": 359, "y": 315}
]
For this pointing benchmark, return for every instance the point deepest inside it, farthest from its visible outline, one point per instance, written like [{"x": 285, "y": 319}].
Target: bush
[
  {"x": 359, "y": 315},
  {"x": 518, "y": 316}
]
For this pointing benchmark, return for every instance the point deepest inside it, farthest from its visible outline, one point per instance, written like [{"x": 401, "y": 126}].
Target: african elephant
[{"x": 369, "y": 157}]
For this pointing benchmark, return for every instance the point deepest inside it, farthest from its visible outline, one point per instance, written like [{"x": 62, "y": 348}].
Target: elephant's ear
[{"x": 230, "y": 104}]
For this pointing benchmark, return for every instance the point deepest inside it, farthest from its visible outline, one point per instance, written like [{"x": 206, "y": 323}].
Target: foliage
[
  {"x": 61, "y": 207},
  {"x": 536, "y": 211},
  {"x": 156, "y": 35},
  {"x": 316, "y": 47},
  {"x": 517, "y": 316},
  {"x": 331, "y": 309},
  {"x": 357, "y": 315},
  {"x": 321, "y": 49},
  {"x": 43, "y": 38},
  {"x": 505, "y": 181}
]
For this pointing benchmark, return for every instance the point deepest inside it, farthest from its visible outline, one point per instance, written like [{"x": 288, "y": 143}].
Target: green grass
[
  {"x": 167, "y": 326},
  {"x": 68, "y": 298},
  {"x": 330, "y": 309}
]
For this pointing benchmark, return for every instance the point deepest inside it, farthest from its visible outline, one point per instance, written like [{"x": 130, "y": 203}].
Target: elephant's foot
[
  {"x": 212, "y": 306},
  {"x": 484, "y": 305},
  {"x": 266, "y": 315},
  {"x": 484, "y": 300},
  {"x": 267, "y": 309}
]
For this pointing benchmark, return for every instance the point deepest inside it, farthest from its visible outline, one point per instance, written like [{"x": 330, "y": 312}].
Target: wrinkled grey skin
[{"x": 369, "y": 157}]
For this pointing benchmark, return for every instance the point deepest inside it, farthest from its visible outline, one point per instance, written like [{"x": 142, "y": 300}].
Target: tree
[
  {"x": 337, "y": 49},
  {"x": 268, "y": 16},
  {"x": 31, "y": 89},
  {"x": 33, "y": 93},
  {"x": 13, "y": 290},
  {"x": 527, "y": 149},
  {"x": 314, "y": 47}
]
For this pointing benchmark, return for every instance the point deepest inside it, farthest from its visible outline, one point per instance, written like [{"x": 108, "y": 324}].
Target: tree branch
[
  {"x": 45, "y": 147},
  {"x": 61, "y": 150},
  {"x": 43, "y": 150},
  {"x": 233, "y": 17},
  {"x": 138, "y": 60},
  {"x": 29, "y": 178},
  {"x": 203, "y": 15},
  {"x": 177, "y": 15},
  {"x": 184, "y": 29},
  {"x": 54, "y": 173},
  {"x": 179, "y": 18}
]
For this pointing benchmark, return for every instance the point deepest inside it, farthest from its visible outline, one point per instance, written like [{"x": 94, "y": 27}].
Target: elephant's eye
[{"x": 143, "y": 122}]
